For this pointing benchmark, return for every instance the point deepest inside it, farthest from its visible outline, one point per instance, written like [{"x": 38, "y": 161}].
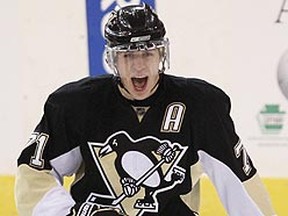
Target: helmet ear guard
[{"x": 165, "y": 57}]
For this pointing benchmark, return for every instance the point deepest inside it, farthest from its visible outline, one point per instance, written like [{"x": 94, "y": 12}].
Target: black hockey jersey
[{"x": 136, "y": 156}]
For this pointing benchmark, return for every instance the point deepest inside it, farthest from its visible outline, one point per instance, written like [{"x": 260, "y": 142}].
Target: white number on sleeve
[
  {"x": 239, "y": 150},
  {"x": 40, "y": 140}
]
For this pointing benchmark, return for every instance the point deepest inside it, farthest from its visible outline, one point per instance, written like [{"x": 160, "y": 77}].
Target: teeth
[{"x": 139, "y": 77}]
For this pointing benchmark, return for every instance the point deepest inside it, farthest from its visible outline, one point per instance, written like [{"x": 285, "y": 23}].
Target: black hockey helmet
[
  {"x": 132, "y": 24},
  {"x": 133, "y": 28}
]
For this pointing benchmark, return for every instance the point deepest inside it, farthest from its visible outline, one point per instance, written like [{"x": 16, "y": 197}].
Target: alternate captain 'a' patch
[{"x": 135, "y": 171}]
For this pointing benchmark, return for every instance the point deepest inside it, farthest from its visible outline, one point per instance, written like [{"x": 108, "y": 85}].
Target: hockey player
[{"x": 136, "y": 140}]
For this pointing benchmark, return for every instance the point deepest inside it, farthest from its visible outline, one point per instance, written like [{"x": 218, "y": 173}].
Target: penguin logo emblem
[{"x": 136, "y": 171}]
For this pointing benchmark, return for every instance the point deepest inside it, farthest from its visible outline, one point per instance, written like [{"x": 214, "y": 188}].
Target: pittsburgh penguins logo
[{"x": 135, "y": 171}]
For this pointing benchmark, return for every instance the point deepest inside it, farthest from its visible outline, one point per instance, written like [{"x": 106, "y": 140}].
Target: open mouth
[{"x": 139, "y": 83}]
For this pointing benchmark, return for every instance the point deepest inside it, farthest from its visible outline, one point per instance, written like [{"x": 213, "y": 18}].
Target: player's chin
[
  {"x": 140, "y": 95},
  {"x": 139, "y": 92}
]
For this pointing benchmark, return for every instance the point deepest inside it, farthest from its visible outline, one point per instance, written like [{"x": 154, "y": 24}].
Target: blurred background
[{"x": 240, "y": 46}]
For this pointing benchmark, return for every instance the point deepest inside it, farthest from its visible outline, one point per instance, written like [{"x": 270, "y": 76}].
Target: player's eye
[
  {"x": 128, "y": 55},
  {"x": 147, "y": 54}
]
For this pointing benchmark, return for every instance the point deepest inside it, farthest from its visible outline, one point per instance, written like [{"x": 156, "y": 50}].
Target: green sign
[{"x": 271, "y": 119}]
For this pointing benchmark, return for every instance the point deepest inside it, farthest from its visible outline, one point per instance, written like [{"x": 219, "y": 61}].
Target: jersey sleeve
[
  {"x": 50, "y": 154},
  {"x": 223, "y": 156}
]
